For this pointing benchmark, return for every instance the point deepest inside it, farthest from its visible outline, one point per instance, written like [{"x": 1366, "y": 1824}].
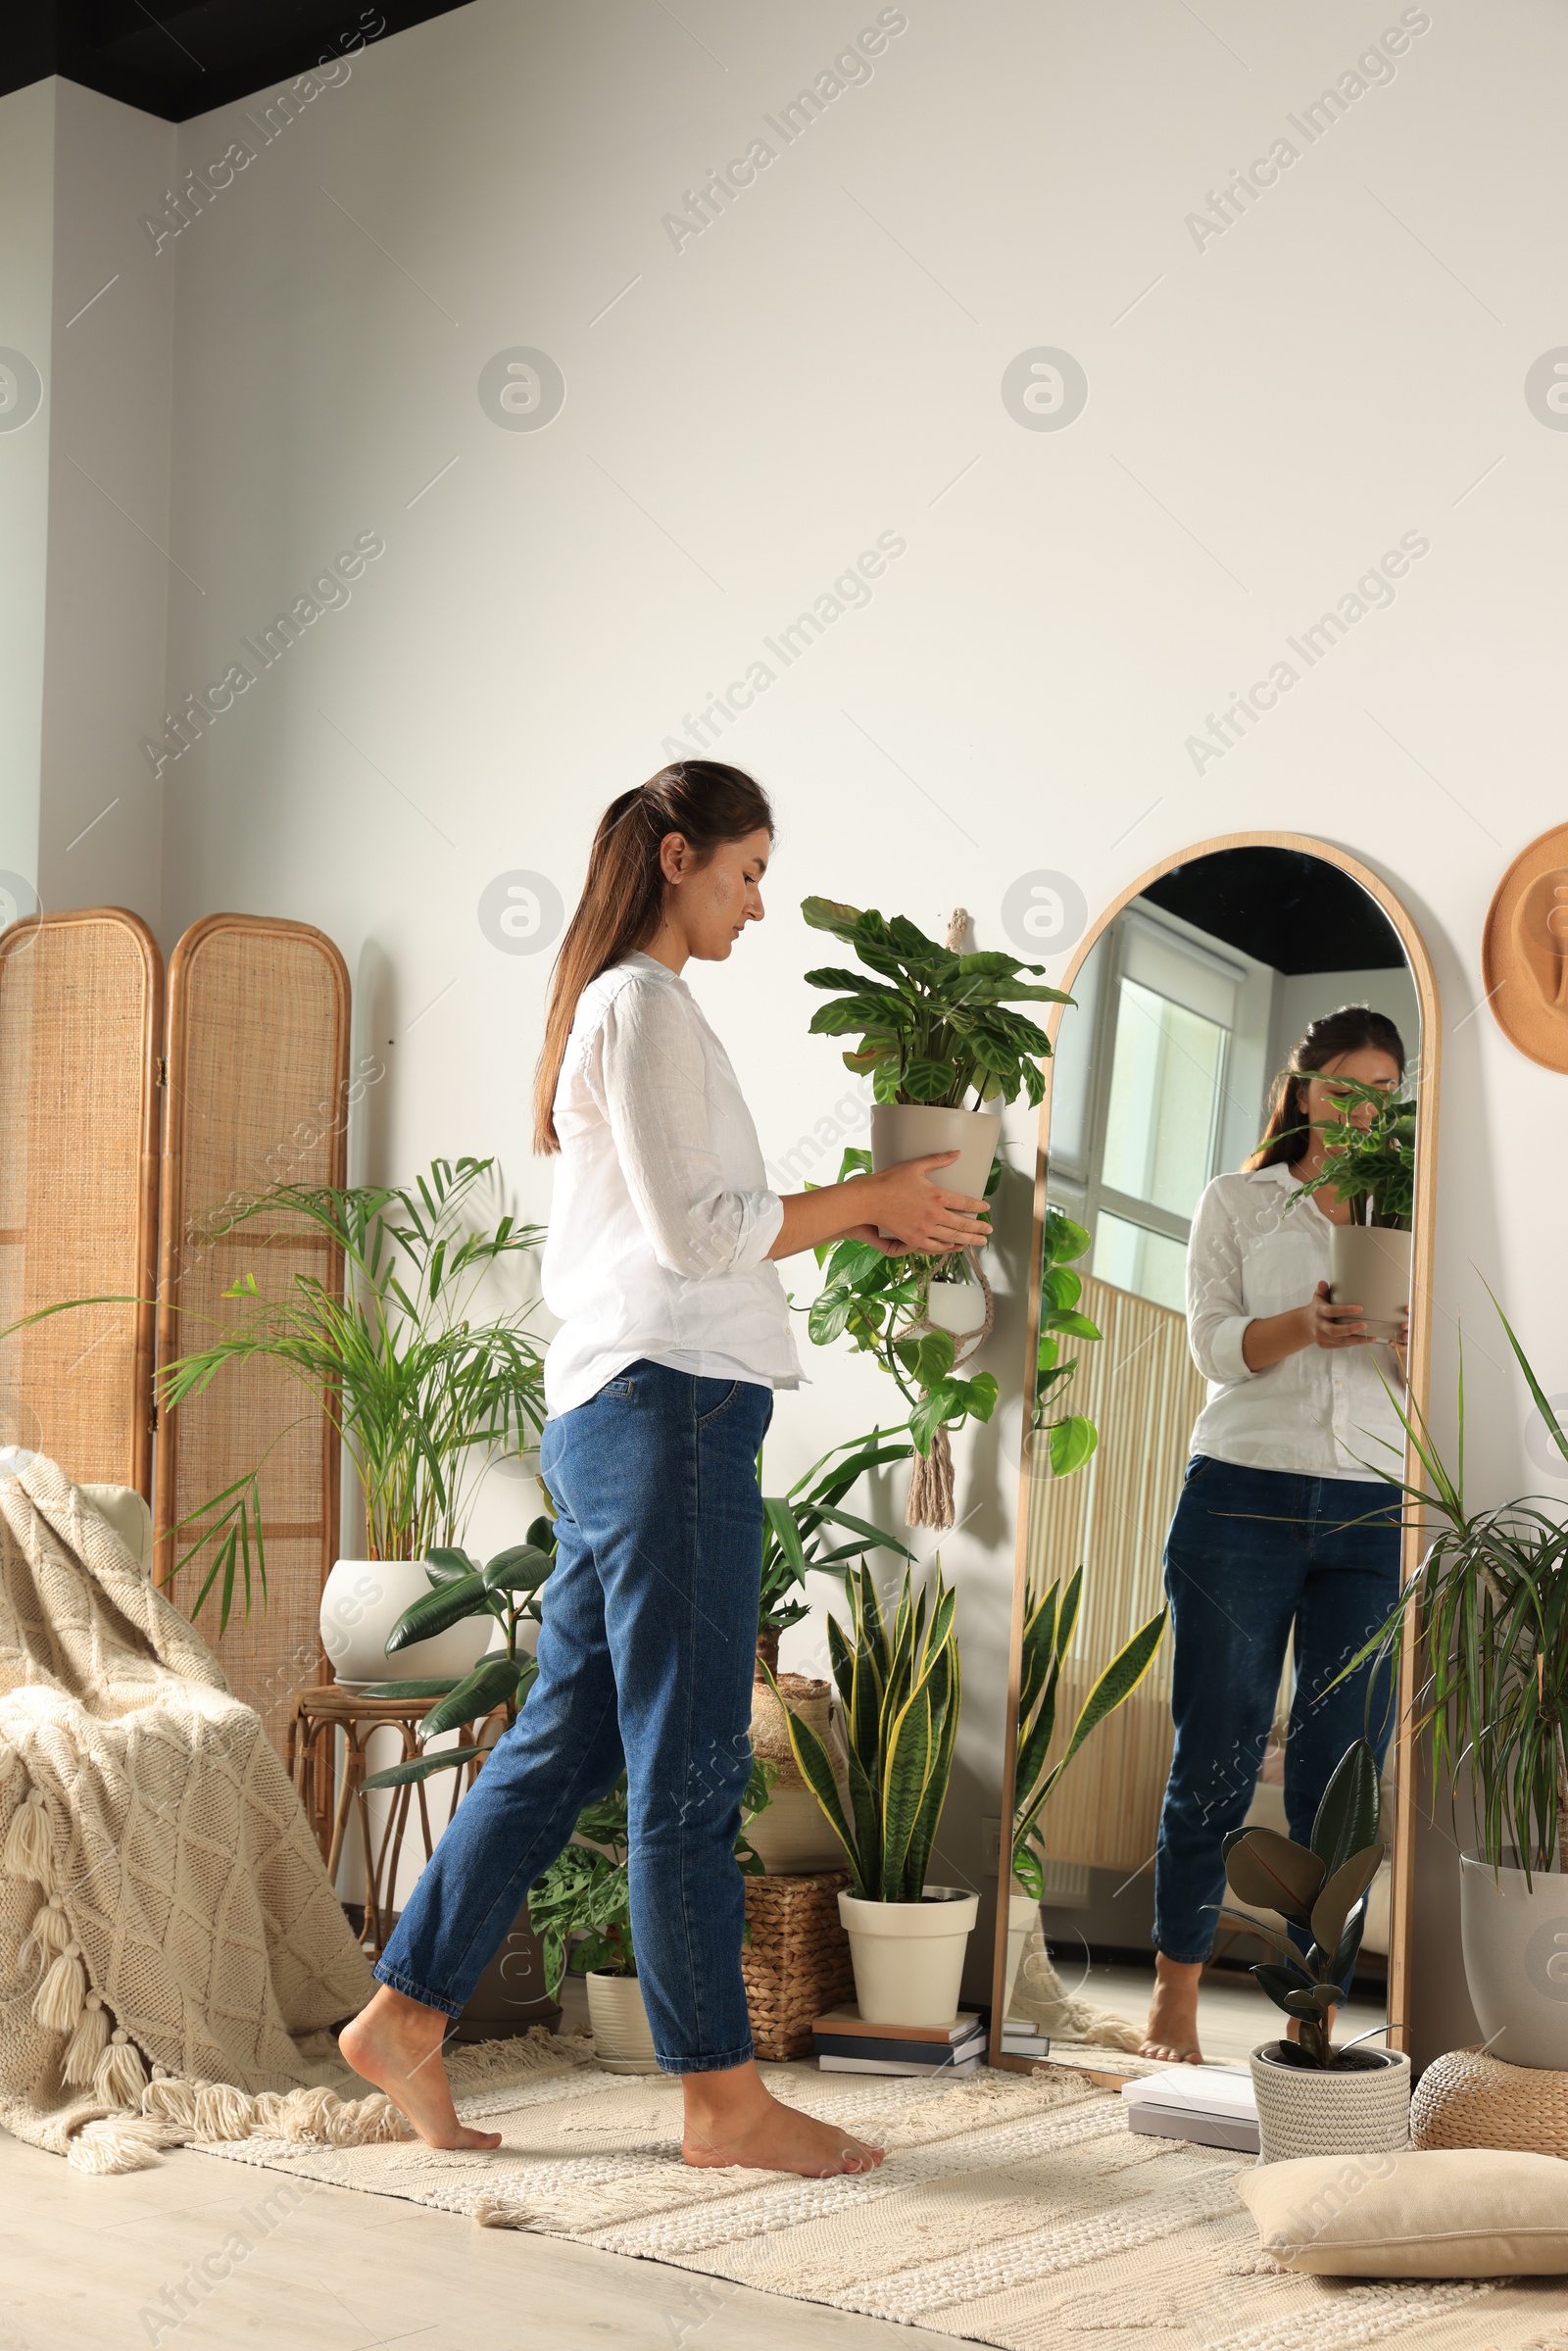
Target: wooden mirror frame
[{"x": 1417, "y": 1365}]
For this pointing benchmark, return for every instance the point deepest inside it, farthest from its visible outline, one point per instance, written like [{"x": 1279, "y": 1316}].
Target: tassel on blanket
[
  {"x": 27, "y": 1845},
  {"x": 87, "y": 2043},
  {"x": 57, "y": 2004},
  {"x": 49, "y": 1932},
  {"x": 121, "y": 2076}
]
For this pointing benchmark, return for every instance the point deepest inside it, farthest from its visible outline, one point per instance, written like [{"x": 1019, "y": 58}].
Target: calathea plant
[
  {"x": 932, "y": 1022},
  {"x": 1370, "y": 1159}
]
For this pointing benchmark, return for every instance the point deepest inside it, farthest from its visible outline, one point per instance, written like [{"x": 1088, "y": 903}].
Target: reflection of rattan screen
[
  {"x": 258, "y": 1063},
  {"x": 1144, "y": 1393},
  {"x": 80, "y": 1006}
]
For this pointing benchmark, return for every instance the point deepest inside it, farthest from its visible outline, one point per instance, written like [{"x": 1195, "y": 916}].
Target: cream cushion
[
  {"x": 1454, "y": 2212},
  {"x": 128, "y": 1515}
]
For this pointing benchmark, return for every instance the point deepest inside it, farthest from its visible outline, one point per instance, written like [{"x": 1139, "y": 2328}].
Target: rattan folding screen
[
  {"x": 81, "y": 1030},
  {"x": 257, "y": 1094}
]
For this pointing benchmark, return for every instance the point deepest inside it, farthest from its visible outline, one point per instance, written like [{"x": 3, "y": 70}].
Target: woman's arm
[
  {"x": 919, "y": 1213},
  {"x": 1270, "y": 1338}
]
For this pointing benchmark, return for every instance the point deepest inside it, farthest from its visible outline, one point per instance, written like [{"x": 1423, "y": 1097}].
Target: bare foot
[
  {"x": 731, "y": 2119},
  {"x": 396, "y": 2044},
  {"x": 1171, "y": 2035}
]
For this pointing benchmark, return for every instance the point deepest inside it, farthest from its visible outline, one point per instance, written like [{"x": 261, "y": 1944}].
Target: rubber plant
[
  {"x": 899, "y": 1697},
  {"x": 1321, "y": 1889},
  {"x": 1050, "y": 1621},
  {"x": 1371, "y": 1159}
]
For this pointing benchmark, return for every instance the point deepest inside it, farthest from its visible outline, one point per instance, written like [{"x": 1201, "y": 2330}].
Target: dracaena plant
[
  {"x": 1049, "y": 1622},
  {"x": 1319, "y": 1889},
  {"x": 933, "y": 1023},
  {"x": 878, "y": 1303},
  {"x": 1071, "y": 1437},
  {"x": 798, "y": 1528},
  {"x": 1370, "y": 1162},
  {"x": 899, "y": 1696}
]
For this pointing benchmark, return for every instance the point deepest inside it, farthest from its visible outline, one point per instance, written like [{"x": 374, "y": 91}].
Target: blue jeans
[
  {"x": 1252, "y": 1552},
  {"x": 645, "y": 1665}
]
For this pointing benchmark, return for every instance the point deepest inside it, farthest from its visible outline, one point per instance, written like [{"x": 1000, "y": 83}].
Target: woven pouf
[
  {"x": 795, "y": 1959},
  {"x": 1471, "y": 2099}
]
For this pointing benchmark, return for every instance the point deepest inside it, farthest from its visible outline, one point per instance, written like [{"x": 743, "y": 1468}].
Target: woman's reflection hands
[{"x": 1331, "y": 1325}]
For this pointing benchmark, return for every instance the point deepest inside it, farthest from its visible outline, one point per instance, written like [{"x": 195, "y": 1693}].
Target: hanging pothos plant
[{"x": 1071, "y": 1437}]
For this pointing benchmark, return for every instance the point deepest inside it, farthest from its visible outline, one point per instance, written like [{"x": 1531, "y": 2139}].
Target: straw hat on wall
[{"x": 1524, "y": 951}]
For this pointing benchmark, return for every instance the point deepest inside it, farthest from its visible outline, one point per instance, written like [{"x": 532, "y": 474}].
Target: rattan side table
[{"x": 310, "y": 1754}]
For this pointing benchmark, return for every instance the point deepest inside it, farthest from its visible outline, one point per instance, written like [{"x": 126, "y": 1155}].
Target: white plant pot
[
  {"x": 909, "y": 1956},
  {"x": 903, "y": 1131},
  {"x": 1023, "y": 1916},
  {"x": 791, "y": 1837},
  {"x": 1369, "y": 1267},
  {"x": 1515, "y": 1940},
  {"x": 362, "y": 1600},
  {"x": 622, "y": 2040},
  {"x": 1316, "y": 2110}
]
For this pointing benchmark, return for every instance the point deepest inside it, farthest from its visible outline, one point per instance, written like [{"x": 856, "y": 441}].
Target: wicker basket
[
  {"x": 1472, "y": 2099},
  {"x": 796, "y": 1960}
]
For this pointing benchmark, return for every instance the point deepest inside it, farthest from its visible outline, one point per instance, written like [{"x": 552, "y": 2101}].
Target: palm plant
[
  {"x": 1486, "y": 1616},
  {"x": 1049, "y": 1622},
  {"x": 798, "y": 1526},
  {"x": 932, "y": 1021},
  {"x": 1371, "y": 1160},
  {"x": 899, "y": 1696},
  {"x": 1321, "y": 1889},
  {"x": 423, "y": 1392}
]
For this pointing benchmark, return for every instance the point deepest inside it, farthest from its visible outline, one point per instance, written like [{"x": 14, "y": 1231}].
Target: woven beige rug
[{"x": 1012, "y": 2209}]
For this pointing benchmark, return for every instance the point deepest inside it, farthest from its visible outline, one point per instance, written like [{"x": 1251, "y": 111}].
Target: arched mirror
[{"x": 1205, "y": 1427}]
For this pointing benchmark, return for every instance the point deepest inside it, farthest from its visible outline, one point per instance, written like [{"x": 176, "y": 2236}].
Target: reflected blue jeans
[
  {"x": 645, "y": 1665},
  {"x": 1251, "y": 1553}
]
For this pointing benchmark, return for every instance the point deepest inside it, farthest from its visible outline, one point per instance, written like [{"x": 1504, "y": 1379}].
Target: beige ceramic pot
[
  {"x": 1369, "y": 1267},
  {"x": 622, "y": 2040},
  {"x": 790, "y": 1834},
  {"x": 903, "y": 1131},
  {"x": 909, "y": 1956},
  {"x": 1515, "y": 1941}
]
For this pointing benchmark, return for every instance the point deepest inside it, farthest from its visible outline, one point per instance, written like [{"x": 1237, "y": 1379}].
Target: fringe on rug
[{"x": 500, "y": 2212}]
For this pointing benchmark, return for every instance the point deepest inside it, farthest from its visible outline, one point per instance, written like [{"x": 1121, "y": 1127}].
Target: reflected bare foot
[
  {"x": 396, "y": 2044},
  {"x": 1171, "y": 2034},
  {"x": 731, "y": 2119}
]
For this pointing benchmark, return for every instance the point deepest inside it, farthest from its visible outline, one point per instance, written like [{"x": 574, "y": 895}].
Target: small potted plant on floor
[
  {"x": 1313, "y": 2098},
  {"x": 934, "y": 1029},
  {"x": 898, "y": 1695},
  {"x": 1371, "y": 1164}
]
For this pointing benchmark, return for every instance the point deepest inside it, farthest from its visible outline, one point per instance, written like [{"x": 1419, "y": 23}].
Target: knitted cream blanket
[{"x": 169, "y": 1937}]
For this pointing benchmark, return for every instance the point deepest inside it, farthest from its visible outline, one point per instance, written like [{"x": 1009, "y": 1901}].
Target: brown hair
[
  {"x": 623, "y": 895},
  {"x": 1353, "y": 1028}
]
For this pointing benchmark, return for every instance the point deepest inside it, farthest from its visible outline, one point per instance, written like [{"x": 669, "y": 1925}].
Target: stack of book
[
  {"x": 1021, "y": 2038},
  {"x": 1213, "y": 2104},
  {"x": 843, "y": 2044}
]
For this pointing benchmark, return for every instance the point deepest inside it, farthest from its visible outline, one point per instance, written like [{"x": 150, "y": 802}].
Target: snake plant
[{"x": 899, "y": 1696}]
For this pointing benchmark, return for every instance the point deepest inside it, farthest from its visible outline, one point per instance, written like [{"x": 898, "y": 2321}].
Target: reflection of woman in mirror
[{"x": 1281, "y": 1522}]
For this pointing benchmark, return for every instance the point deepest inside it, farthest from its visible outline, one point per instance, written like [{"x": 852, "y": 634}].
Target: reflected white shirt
[
  {"x": 662, "y": 1217},
  {"x": 1319, "y": 1413}
]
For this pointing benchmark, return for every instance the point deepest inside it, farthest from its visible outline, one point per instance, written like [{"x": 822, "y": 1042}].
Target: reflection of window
[
  {"x": 1166, "y": 1069},
  {"x": 1148, "y": 1264}
]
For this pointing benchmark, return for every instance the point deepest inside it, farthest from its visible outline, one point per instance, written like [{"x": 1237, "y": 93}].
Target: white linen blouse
[
  {"x": 1319, "y": 1413},
  {"x": 662, "y": 1217}
]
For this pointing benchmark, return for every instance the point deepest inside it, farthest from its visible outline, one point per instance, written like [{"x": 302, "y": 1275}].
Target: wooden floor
[{"x": 82, "y": 2260}]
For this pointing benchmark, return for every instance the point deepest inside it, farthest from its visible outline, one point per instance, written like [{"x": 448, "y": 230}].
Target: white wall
[
  {"x": 26, "y": 170},
  {"x": 1269, "y": 409}
]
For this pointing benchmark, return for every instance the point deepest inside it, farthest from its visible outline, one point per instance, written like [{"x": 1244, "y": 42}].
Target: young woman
[
  {"x": 675, "y": 1333},
  {"x": 1281, "y": 1522}
]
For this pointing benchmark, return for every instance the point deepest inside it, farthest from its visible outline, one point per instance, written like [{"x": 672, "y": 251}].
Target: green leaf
[
  {"x": 1347, "y": 1817},
  {"x": 926, "y": 1081},
  {"x": 927, "y": 1357},
  {"x": 1075, "y": 1326},
  {"x": 1061, "y": 1287},
  {"x": 424, "y": 1767},
  {"x": 1269, "y": 1871},
  {"x": 1071, "y": 1442},
  {"x": 826, "y": 915},
  {"x": 1341, "y": 1893},
  {"x": 523, "y": 1568},
  {"x": 448, "y": 1565},
  {"x": 448, "y": 1604},
  {"x": 493, "y": 1681},
  {"x": 1063, "y": 1239},
  {"x": 781, "y": 1519},
  {"x": 829, "y": 1312}
]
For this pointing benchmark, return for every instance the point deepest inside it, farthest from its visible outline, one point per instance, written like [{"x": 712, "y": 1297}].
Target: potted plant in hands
[
  {"x": 1371, "y": 1164},
  {"x": 934, "y": 1027},
  {"x": 423, "y": 1393},
  {"x": 788, "y": 1831},
  {"x": 1313, "y": 2099},
  {"x": 898, "y": 1695},
  {"x": 1487, "y": 1619},
  {"x": 1050, "y": 1619}
]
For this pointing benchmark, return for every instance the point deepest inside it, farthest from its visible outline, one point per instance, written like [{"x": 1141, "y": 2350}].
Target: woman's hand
[
  {"x": 1331, "y": 1326},
  {"x": 1270, "y": 1338},
  {"x": 919, "y": 1215}
]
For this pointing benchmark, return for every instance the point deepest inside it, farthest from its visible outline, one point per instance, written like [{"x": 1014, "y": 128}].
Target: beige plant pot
[
  {"x": 362, "y": 1600},
  {"x": 1515, "y": 1941},
  {"x": 1316, "y": 2110},
  {"x": 622, "y": 2040},
  {"x": 791, "y": 1835},
  {"x": 1369, "y": 1267},
  {"x": 903, "y": 1131},
  {"x": 909, "y": 1956}
]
